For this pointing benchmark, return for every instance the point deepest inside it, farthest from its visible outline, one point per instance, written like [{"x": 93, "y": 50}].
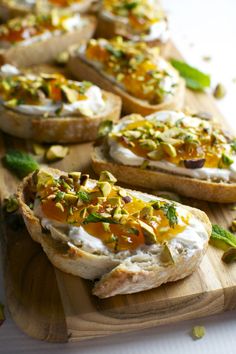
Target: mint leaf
[
  {"x": 195, "y": 79},
  {"x": 95, "y": 217},
  {"x": 223, "y": 235},
  {"x": 170, "y": 212},
  {"x": 20, "y": 163},
  {"x": 84, "y": 196}
]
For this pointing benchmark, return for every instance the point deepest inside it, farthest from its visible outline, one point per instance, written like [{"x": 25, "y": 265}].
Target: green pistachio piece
[
  {"x": 230, "y": 255},
  {"x": 156, "y": 154},
  {"x": 38, "y": 149},
  {"x": 56, "y": 152},
  {"x": 117, "y": 215},
  {"x": 71, "y": 198},
  {"x": 169, "y": 149},
  {"x": 233, "y": 225},
  {"x": 44, "y": 179},
  {"x": 11, "y": 204},
  {"x": 148, "y": 144},
  {"x": 105, "y": 188},
  {"x": 149, "y": 235},
  {"x": 225, "y": 161},
  {"x": 71, "y": 94},
  {"x": 62, "y": 58},
  {"x": 115, "y": 201},
  {"x": 198, "y": 332},
  {"x": 166, "y": 255},
  {"x": 106, "y": 227},
  {"x": 106, "y": 176},
  {"x": 144, "y": 165},
  {"x": 75, "y": 175},
  {"x": 219, "y": 91},
  {"x": 146, "y": 212}
]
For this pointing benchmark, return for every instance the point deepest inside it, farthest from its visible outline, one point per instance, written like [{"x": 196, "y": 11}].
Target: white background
[{"x": 199, "y": 28}]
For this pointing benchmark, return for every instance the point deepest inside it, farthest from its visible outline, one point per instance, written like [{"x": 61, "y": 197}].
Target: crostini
[
  {"x": 141, "y": 20},
  {"x": 127, "y": 240},
  {"x": 14, "y": 8},
  {"x": 37, "y": 39},
  {"x": 72, "y": 5},
  {"x": 137, "y": 73},
  {"x": 50, "y": 108},
  {"x": 171, "y": 151}
]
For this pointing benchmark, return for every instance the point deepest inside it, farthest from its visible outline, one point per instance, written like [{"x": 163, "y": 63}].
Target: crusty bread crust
[
  {"x": 108, "y": 28},
  {"x": 59, "y": 129},
  {"x": 154, "y": 179},
  {"x": 116, "y": 277},
  {"x": 46, "y": 50},
  {"x": 9, "y": 10},
  {"x": 82, "y": 70}
]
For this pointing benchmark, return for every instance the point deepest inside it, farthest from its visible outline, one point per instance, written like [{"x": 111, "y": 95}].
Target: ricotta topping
[
  {"x": 93, "y": 105},
  {"x": 125, "y": 156}
]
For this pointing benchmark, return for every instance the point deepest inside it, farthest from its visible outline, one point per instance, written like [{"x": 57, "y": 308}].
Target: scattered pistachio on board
[
  {"x": 219, "y": 91},
  {"x": 198, "y": 332},
  {"x": 56, "y": 152}
]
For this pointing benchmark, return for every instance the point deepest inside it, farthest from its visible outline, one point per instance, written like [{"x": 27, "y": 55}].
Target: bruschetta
[
  {"x": 126, "y": 240},
  {"x": 137, "y": 73},
  {"x": 50, "y": 108},
  {"x": 141, "y": 20},
  {"x": 37, "y": 39},
  {"x": 171, "y": 151},
  {"x": 14, "y": 8}
]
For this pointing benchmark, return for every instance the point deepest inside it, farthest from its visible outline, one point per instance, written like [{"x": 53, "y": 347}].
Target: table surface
[{"x": 203, "y": 28}]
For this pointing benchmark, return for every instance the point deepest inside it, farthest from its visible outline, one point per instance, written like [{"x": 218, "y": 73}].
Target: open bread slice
[
  {"x": 66, "y": 129},
  {"x": 81, "y": 68},
  {"x": 58, "y": 110},
  {"x": 46, "y": 50},
  {"x": 145, "y": 21},
  {"x": 171, "y": 151},
  {"x": 122, "y": 265},
  {"x": 159, "y": 180}
]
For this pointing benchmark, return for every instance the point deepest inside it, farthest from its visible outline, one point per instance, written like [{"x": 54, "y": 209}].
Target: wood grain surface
[{"x": 50, "y": 305}]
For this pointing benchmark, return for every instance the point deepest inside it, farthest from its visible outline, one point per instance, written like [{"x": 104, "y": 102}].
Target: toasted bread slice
[
  {"x": 119, "y": 273},
  {"x": 63, "y": 129},
  {"x": 45, "y": 51},
  {"x": 82, "y": 70},
  {"x": 157, "y": 179},
  {"x": 108, "y": 28},
  {"x": 10, "y": 9}
]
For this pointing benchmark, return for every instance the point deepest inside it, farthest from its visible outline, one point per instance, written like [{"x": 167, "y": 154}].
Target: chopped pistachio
[
  {"x": 146, "y": 212},
  {"x": 229, "y": 256},
  {"x": 101, "y": 200},
  {"x": 122, "y": 192},
  {"x": 156, "y": 154},
  {"x": 148, "y": 144},
  {"x": 104, "y": 128},
  {"x": 43, "y": 179},
  {"x": 38, "y": 149},
  {"x": 62, "y": 58},
  {"x": 56, "y": 152},
  {"x": 11, "y": 204},
  {"x": 149, "y": 235},
  {"x": 225, "y": 161},
  {"x": 71, "y": 198},
  {"x": 75, "y": 175},
  {"x": 169, "y": 149},
  {"x": 117, "y": 215},
  {"x": 233, "y": 225},
  {"x": 144, "y": 165},
  {"x": 106, "y": 227},
  {"x": 198, "y": 332},
  {"x": 166, "y": 255},
  {"x": 164, "y": 229},
  {"x": 105, "y": 188},
  {"x": 219, "y": 91},
  {"x": 115, "y": 201},
  {"x": 106, "y": 176},
  {"x": 60, "y": 206}
]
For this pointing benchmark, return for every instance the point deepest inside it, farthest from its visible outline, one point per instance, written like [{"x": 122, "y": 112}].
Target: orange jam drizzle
[
  {"x": 128, "y": 236},
  {"x": 206, "y": 149}
]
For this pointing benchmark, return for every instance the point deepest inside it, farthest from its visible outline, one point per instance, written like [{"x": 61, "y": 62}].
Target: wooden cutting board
[{"x": 50, "y": 305}]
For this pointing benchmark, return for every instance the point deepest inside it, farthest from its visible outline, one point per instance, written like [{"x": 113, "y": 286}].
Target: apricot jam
[
  {"x": 175, "y": 143},
  {"x": 137, "y": 223}
]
